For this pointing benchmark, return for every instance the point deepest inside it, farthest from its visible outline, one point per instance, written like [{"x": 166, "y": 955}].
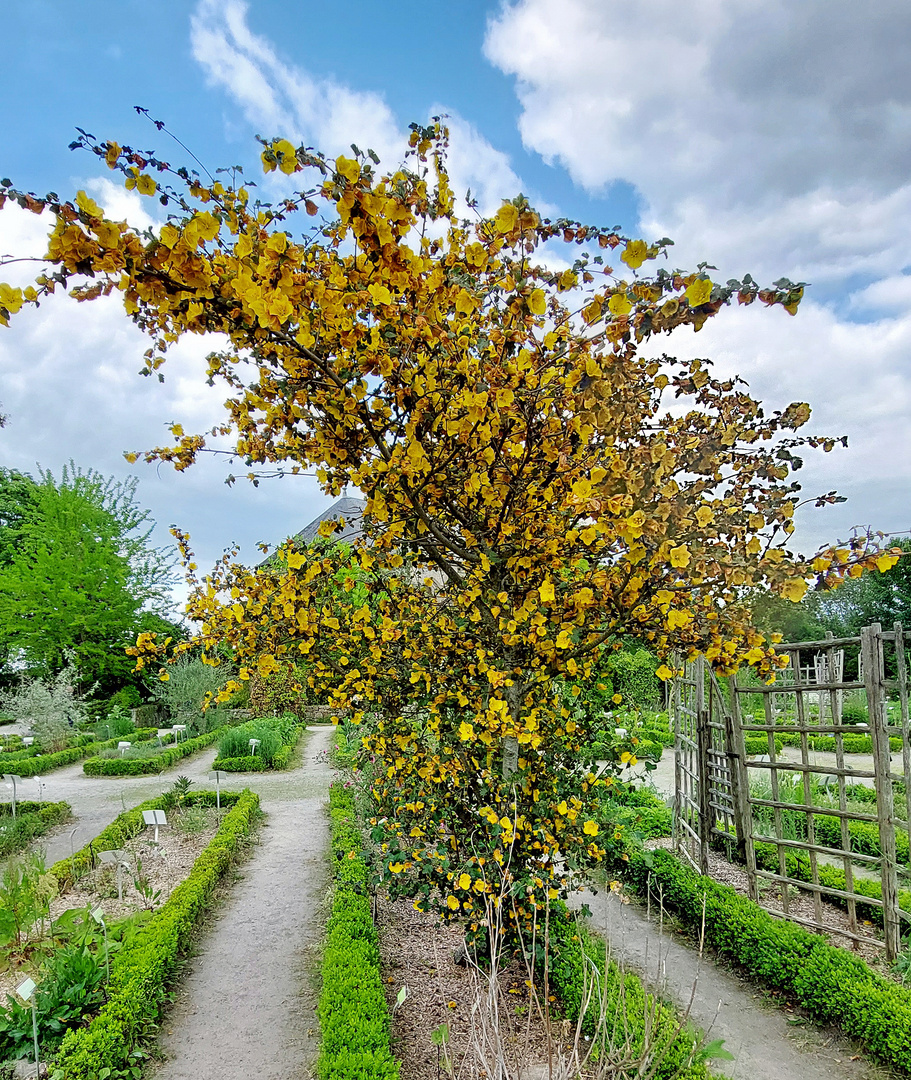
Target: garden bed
[
  {"x": 185, "y": 874},
  {"x": 37, "y": 762},
  {"x": 156, "y": 762},
  {"x": 277, "y": 737}
]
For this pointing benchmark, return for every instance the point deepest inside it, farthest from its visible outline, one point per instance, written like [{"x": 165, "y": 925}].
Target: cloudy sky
[{"x": 771, "y": 138}]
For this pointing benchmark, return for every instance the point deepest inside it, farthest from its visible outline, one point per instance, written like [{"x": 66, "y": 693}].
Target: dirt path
[
  {"x": 243, "y": 1007},
  {"x": 767, "y": 1042}
]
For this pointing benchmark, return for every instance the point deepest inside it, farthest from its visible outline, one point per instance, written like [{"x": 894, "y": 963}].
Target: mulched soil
[
  {"x": 164, "y": 864},
  {"x": 416, "y": 951}
]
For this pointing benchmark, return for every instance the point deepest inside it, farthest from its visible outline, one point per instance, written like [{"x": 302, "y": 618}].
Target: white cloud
[
  {"x": 281, "y": 98},
  {"x": 766, "y": 138},
  {"x": 770, "y": 130}
]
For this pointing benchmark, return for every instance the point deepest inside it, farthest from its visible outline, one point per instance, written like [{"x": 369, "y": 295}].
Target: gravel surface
[
  {"x": 768, "y": 1043},
  {"x": 245, "y": 1008}
]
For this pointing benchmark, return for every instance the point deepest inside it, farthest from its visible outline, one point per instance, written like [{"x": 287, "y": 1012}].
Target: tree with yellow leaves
[{"x": 536, "y": 488}]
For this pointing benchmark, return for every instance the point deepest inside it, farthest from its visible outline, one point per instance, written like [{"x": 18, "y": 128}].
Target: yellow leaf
[
  {"x": 794, "y": 590},
  {"x": 619, "y": 304},
  {"x": 506, "y": 218},
  {"x": 699, "y": 292},
  {"x": 680, "y": 557},
  {"x": 348, "y": 168},
  {"x": 87, "y": 205},
  {"x": 10, "y": 298},
  {"x": 380, "y": 294}
]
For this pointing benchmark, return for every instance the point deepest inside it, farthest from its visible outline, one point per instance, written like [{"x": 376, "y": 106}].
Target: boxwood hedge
[
  {"x": 140, "y": 971},
  {"x": 352, "y": 1012}
]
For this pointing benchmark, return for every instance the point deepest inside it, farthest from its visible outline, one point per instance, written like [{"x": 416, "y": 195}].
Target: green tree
[
  {"x": 83, "y": 578},
  {"x": 17, "y": 506}
]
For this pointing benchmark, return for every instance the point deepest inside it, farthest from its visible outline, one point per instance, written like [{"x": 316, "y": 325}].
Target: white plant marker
[
  {"x": 122, "y": 746},
  {"x": 116, "y": 857},
  {"x": 26, "y": 992},
  {"x": 217, "y": 775},
  {"x": 156, "y": 818},
  {"x": 12, "y": 778},
  {"x": 253, "y": 745}
]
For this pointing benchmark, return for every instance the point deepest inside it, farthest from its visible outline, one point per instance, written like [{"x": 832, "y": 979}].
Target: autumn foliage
[{"x": 537, "y": 487}]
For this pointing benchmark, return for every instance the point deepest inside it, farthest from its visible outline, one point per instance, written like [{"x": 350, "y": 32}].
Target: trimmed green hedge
[
  {"x": 141, "y": 969},
  {"x": 637, "y": 810},
  {"x": 658, "y": 735},
  {"x": 834, "y": 985},
  {"x": 98, "y": 766},
  {"x": 631, "y": 1012},
  {"x": 37, "y": 766},
  {"x": 851, "y": 744},
  {"x": 23, "y": 753},
  {"x": 32, "y": 819},
  {"x": 352, "y": 1012}
]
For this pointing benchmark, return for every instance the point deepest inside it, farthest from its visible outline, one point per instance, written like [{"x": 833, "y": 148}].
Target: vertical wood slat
[
  {"x": 738, "y": 760},
  {"x": 703, "y": 737},
  {"x": 802, "y": 718},
  {"x": 842, "y": 783},
  {"x": 902, "y": 677},
  {"x": 871, "y": 651}
]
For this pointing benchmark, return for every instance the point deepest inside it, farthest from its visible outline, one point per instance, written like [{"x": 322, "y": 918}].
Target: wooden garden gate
[{"x": 801, "y": 816}]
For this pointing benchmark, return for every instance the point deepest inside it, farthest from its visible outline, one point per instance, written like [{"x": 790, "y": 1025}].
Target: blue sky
[{"x": 772, "y": 139}]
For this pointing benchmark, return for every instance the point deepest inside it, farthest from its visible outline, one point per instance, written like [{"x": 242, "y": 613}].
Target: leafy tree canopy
[
  {"x": 536, "y": 488},
  {"x": 82, "y": 579}
]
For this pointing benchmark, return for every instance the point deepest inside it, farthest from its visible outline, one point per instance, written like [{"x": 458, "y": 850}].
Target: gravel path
[{"x": 767, "y": 1042}]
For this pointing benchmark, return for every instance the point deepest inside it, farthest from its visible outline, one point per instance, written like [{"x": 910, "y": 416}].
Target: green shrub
[
  {"x": 142, "y": 968},
  {"x": 354, "y": 1020},
  {"x": 277, "y": 735},
  {"x": 632, "y": 674},
  {"x": 835, "y": 986},
  {"x": 32, "y": 820},
  {"x": 757, "y": 745}
]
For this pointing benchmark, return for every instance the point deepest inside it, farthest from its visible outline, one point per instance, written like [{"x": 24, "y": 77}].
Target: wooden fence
[{"x": 801, "y": 817}]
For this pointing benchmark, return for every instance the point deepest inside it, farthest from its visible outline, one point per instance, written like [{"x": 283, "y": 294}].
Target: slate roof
[{"x": 346, "y": 507}]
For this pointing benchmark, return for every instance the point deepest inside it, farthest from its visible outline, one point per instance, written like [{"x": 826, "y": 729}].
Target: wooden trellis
[{"x": 715, "y": 802}]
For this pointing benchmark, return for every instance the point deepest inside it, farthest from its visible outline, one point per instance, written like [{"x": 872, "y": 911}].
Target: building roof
[{"x": 347, "y": 508}]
